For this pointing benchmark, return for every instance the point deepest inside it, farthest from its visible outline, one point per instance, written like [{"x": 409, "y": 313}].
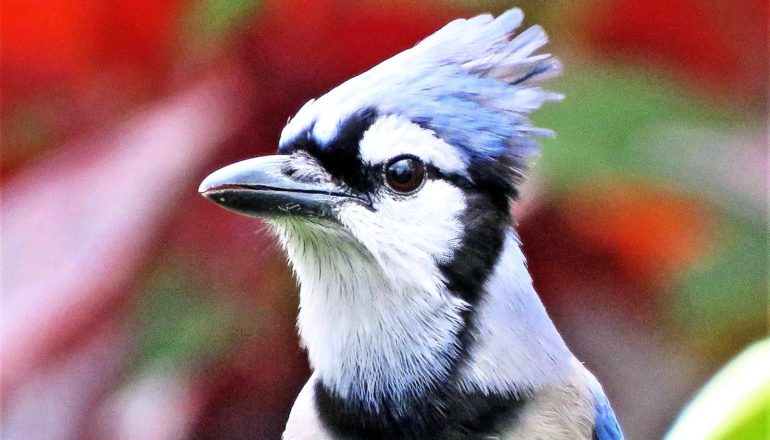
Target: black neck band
[{"x": 445, "y": 411}]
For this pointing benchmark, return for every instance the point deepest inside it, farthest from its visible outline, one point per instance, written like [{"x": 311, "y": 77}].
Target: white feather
[
  {"x": 394, "y": 135},
  {"x": 517, "y": 346},
  {"x": 304, "y": 423},
  {"x": 374, "y": 315},
  {"x": 563, "y": 411}
]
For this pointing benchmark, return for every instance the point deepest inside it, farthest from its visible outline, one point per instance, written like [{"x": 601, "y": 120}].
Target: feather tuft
[{"x": 473, "y": 82}]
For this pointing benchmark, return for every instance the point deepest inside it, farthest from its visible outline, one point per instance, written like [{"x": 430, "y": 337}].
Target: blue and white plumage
[
  {"x": 470, "y": 83},
  {"x": 391, "y": 197}
]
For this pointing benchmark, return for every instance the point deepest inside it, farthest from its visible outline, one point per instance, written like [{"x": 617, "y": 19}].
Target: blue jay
[{"x": 391, "y": 197}]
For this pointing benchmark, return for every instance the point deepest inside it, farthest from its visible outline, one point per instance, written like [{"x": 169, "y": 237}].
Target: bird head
[
  {"x": 410, "y": 158},
  {"x": 390, "y": 195}
]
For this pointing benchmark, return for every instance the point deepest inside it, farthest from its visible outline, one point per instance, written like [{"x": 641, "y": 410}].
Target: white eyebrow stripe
[{"x": 394, "y": 135}]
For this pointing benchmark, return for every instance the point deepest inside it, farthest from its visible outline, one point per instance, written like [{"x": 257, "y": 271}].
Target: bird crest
[{"x": 473, "y": 83}]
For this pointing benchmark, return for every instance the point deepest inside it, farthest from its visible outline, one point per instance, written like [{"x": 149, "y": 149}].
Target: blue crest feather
[{"x": 472, "y": 82}]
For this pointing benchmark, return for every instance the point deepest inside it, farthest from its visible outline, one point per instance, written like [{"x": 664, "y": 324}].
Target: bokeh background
[{"x": 134, "y": 309}]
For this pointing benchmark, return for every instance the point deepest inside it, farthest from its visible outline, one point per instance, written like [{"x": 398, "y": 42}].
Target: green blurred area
[
  {"x": 212, "y": 21},
  {"x": 734, "y": 404},
  {"x": 601, "y": 129},
  {"x": 181, "y": 323},
  {"x": 724, "y": 295},
  {"x": 605, "y": 113}
]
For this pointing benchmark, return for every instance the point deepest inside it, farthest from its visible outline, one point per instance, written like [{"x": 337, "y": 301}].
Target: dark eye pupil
[
  {"x": 405, "y": 175},
  {"x": 401, "y": 172}
]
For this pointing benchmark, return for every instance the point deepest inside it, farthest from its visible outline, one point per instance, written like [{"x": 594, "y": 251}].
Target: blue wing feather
[{"x": 606, "y": 425}]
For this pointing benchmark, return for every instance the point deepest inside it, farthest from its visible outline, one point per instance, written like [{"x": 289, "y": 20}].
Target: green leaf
[{"x": 734, "y": 404}]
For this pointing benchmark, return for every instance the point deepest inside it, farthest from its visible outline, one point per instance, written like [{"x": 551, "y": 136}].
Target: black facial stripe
[
  {"x": 341, "y": 157},
  {"x": 457, "y": 180},
  {"x": 500, "y": 176},
  {"x": 497, "y": 174},
  {"x": 444, "y": 412},
  {"x": 485, "y": 221},
  {"x": 500, "y": 187},
  {"x": 437, "y": 415}
]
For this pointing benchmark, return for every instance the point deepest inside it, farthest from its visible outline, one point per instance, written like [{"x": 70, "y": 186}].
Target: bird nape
[{"x": 391, "y": 197}]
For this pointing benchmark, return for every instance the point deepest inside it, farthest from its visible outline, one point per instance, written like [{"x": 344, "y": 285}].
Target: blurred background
[{"x": 134, "y": 309}]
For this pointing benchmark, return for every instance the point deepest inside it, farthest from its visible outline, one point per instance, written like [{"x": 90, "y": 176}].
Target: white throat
[
  {"x": 368, "y": 334},
  {"x": 371, "y": 333}
]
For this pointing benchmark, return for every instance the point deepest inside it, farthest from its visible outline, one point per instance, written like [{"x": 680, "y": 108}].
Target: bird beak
[{"x": 259, "y": 187}]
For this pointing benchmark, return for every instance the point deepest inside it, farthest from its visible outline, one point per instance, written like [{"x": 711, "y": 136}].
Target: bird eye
[{"x": 405, "y": 174}]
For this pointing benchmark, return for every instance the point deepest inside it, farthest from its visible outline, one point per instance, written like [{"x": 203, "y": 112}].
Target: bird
[{"x": 391, "y": 196}]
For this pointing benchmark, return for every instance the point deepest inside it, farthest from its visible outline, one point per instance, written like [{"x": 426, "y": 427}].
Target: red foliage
[
  {"x": 629, "y": 241},
  {"x": 79, "y": 226},
  {"x": 71, "y": 66},
  {"x": 70, "y": 42},
  {"x": 720, "y": 46},
  {"x": 653, "y": 233},
  {"x": 84, "y": 223}
]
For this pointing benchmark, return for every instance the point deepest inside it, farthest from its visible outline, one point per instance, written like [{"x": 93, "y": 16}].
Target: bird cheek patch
[{"x": 417, "y": 230}]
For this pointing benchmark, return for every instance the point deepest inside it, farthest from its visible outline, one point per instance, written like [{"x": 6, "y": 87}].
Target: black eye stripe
[
  {"x": 432, "y": 172},
  {"x": 340, "y": 157},
  {"x": 456, "y": 179}
]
